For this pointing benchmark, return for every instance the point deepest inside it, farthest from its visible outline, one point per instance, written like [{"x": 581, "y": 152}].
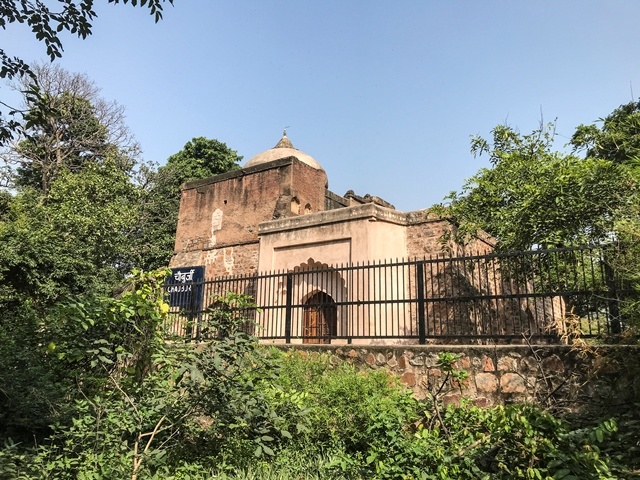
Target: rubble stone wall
[{"x": 503, "y": 374}]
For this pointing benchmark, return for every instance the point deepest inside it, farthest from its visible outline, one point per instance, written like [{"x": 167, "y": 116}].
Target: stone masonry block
[
  {"x": 408, "y": 378},
  {"x": 402, "y": 362},
  {"x": 486, "y": 382},
  {"x": 417, "y": 361},
  {"x": 487, "y": 364},
  {"x": 370, "y": 360},
  {"x": 529, "y": 364},
  {"x": 553, "y": 364},
  {"x": 431, "y": 360},
  {"x": 507, "y": 364},
  {"x": 512, "y": 383}
]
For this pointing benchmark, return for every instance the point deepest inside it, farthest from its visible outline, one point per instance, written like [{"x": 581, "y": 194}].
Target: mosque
[{"x": 320, "y": 264}]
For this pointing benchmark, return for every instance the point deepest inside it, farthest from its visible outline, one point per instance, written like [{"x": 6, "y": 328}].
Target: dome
[{"x": 283, "y": 149}]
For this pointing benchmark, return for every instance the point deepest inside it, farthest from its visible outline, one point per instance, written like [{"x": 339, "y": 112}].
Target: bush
[
  {"x": 371, "y": 427},
  {"x": 229, "y": 408}
]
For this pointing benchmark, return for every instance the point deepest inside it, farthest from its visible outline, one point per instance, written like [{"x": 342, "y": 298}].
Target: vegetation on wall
[{"x": 534, "y": 196}]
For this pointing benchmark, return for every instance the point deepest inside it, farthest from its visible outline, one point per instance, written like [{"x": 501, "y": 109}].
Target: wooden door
[{"x": 320, "y": 318}]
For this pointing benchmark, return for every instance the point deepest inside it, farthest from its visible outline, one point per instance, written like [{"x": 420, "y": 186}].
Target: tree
[
  {"x": 618, "y": 140},
  {"x": 78, "y": 240},
  {"x": 533, "y": 196},
  {"x": 67, "y": 125},
  {"x": 47, "y": 24},
  {"x": 200, "y": 158}
]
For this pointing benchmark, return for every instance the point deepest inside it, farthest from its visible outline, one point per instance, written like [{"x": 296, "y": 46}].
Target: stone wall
[
  {"x": 505, "y": 374},
  {"x": 425, "y": 233}
]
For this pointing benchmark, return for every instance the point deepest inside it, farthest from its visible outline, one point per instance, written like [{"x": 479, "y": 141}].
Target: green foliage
[
  {"x": 617, "y": 140},
  {"x": 533, "y": 196},
  {"x": 85, "y": 211},
  {"x": 33, "y": 387},
  {"x": 200, "y": 158},
  {"x": 227, "y": 378},
  {"x": 221, "y": 411},
  {"x": 139, "y": 406},
  {"x": 47, "y": 23},
  {"x": 346, "y": 409},
  {"x": 79, "y": 240},
  {"x": 372, "y": 428},
  {"x": 108, "y": 336},
  {"x": 74, "y": 221}
]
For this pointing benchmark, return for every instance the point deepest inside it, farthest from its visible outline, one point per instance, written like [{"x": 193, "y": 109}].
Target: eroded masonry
[{"x": 277, "y": 214}]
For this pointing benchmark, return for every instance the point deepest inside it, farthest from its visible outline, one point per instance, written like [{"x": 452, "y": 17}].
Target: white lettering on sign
[
  {"x": 184, "y": 277},
  {"x": 179, "y": 288}
]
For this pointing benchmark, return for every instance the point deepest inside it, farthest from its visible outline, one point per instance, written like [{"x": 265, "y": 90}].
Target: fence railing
[{"x": 541, "y": 294}]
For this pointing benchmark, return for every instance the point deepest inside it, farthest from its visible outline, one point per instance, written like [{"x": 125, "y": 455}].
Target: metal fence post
[
  {"x": 615, "y": 325},
  {"x": 287, "y": 318},
  {"x": 421, "y": 319}
]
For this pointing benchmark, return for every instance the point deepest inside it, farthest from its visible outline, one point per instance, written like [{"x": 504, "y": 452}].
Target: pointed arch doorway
[{"x": 320, "y": 318}]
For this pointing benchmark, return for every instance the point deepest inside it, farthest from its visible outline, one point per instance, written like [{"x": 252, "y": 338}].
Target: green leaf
[
  {"x": 104, "y": 359},
  {"x": 599, "y": 435},
  {"x": 268, "y": 450},
  {"x": 562, "y": 474}
]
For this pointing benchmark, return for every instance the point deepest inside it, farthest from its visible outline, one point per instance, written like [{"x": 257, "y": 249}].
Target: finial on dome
[
  {"x": 284, "y": 141},
  {"x": 284, "y": 149}
]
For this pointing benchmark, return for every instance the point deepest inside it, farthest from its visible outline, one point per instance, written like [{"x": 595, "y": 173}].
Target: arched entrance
[{"x": 320, "y": 318}]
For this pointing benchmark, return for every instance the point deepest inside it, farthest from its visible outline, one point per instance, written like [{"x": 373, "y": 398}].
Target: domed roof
[{"x": 283, "y": 149}]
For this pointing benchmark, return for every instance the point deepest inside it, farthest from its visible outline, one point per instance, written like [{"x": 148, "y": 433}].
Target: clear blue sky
[{"x": 384, "y": 94}]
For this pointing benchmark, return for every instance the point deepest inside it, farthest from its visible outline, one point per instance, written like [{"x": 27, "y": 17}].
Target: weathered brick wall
[
  {"x": 219, "y": 216},
  {"x": 425, "y": 233},
  {"x": 227, "y": 210},
  {"x": 460, "y": 278},
  {"x": 505, "y": 373},
  {"x": 308, "y": 187}
]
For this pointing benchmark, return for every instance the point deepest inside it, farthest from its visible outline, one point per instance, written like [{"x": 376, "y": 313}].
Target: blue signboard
[{"x": 185, "y": 287}]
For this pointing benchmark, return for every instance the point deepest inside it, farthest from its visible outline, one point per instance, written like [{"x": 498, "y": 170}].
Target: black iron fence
[{"x": 542, "y": 294}]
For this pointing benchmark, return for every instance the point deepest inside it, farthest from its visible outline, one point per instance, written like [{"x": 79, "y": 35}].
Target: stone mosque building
[
  {"x": 277, "y": 213},
  {"x": 311, "y": 259}
]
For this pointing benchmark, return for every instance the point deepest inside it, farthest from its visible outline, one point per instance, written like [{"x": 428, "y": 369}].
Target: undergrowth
[{"x": 230, "y": 409}]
